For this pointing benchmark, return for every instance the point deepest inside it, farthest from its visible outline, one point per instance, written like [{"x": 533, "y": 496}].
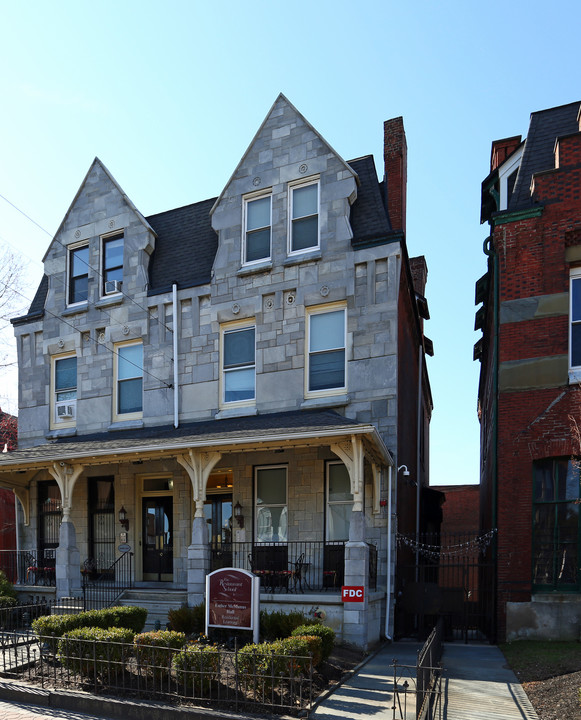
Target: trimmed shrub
[
  {"x": 188, "y": 620},
  {"x": 196, "y": 667},
  {"x": 7, "y": 601},
  {"x": 326, "y": 634},
  {"x": 281, "y": 659},
  {"x": 315, "y": 646},
  {"x": 131, "y": 618},
  {"x": 90, "y": 650},
  {"x": 278, "y": 624},
  {"x": 6, "y": 587},
  {"x": 154, "y": 650}
]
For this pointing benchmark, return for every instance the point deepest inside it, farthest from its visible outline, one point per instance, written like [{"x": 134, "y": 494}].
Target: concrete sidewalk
[{"x": 476, "y": 685}]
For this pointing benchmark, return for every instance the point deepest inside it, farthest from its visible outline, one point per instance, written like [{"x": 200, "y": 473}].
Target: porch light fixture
[
  {"x": 406, "y": 472},
  {"x": 238, "y": 514},
  {"x": 123, "y": 519}
]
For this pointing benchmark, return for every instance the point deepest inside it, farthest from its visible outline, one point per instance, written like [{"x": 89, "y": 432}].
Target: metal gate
[{"x": 449, "y": 576}]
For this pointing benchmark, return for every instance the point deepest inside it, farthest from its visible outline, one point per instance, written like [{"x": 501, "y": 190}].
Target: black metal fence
[
  {"x": 102, "y": 590},
  {"x": 201, "y": 675},
  {"x": 29, "y": 567},
  {"x": 292, "y": 566}
]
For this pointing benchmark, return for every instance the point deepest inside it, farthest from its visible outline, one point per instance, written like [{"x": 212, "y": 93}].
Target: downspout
[
  {"x": 389, "y": 563},
  {"x": 491, "y": 253},
  {"x": 17, "y": 532},
  {"x": 418, "y": 457},
  {"x": 176, "y": 390}
]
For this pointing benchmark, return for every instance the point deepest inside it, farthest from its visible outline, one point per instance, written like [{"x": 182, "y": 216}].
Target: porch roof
[{"x": 265, "y": 431}]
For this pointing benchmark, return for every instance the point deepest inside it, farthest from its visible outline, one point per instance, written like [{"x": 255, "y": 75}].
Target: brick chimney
[
  {"x": 395, "y": 156},
  {"x": 501, "y": 149}
]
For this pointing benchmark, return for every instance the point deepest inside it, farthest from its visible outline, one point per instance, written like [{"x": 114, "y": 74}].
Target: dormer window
[
  {"x": 112, "y": 274},
  {"x": 304, "y": 214},
  {"x": 258, "y": 223},
  {"x": 78, "y": 274}
]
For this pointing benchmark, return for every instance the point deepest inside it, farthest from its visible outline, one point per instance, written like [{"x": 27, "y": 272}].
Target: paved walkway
[{"x": 476, "y": 686}]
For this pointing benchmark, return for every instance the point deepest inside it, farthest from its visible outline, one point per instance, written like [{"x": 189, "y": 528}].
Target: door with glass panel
[
  {"x": 338, "y": 518},
  {"x": 157, "y": 542}
]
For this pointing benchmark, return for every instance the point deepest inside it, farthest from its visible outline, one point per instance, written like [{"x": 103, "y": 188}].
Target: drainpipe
[
  {"x": 389, "y": 563},
  {"x": 418, "y": 474},
  {"x": 17, "y": 531},
  {"x": 491, "y": 253},
  {"x": 176, "y": 390}
]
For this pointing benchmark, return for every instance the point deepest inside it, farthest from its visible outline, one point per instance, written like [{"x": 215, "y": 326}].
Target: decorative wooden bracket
[
  {"x": 352, "y": 455},
  {"x": 66, "y": 476},
  {"x": 199, "y": 464}
]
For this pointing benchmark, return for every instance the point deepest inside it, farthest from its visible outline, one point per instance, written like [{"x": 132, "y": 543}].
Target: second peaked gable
[
  {"x": 100, "y": 214},
  {"x": 289, "y": 177}
]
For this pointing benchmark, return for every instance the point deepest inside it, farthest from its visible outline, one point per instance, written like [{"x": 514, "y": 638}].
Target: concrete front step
[
  {"x": 68, "y": 606},
  {"x": 157, "y": 602}
]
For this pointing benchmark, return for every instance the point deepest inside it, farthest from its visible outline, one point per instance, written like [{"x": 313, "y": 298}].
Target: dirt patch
[{"x": 556, "y": 698}]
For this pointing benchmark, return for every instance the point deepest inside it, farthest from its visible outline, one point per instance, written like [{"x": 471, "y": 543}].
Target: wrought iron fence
[
  {"x": 203, "y": 675},
  {"x": 290, "y": 567},
  {"x": 103, "y": 590}
]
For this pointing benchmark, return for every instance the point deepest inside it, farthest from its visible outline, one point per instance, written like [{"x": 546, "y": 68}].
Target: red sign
[
  {"x": 230, "y": 599},
  {"x": 352, "y": 593}
]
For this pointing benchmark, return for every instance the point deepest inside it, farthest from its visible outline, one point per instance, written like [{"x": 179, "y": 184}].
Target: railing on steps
[{"x": 106, "y": 588}]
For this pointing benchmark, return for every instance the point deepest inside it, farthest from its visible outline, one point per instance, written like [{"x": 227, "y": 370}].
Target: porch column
[
  {"x": 68, "y": 557},
  {"x": 355, "y": 614},
  {"x": 198, "y": 465}
]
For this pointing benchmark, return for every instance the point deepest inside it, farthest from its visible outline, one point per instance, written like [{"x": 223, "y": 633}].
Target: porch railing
[
  {"x": 103, "y": 591},
  {"x": 29, "y": 567},
  {"x": 292, "y": 567}
]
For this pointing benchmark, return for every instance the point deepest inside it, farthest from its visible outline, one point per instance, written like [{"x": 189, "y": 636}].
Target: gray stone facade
[{"x": 275, "y": 296}]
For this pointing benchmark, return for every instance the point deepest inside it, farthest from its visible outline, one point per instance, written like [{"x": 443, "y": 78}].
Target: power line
[{"x": 90, "y": 267}]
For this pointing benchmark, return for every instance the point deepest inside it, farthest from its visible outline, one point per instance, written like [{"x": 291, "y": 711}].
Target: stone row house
[
  {"x": 530, "y": 355},
  {"x": 230, "y": 383}
]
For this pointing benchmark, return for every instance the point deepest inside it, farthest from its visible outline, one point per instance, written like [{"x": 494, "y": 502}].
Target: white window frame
[
  {"x": 225, "y": 330},
  {"x": 574, "y": 370},
  {"x": 291, "y": 190},
  {"x": 277, "y": 505},
  {"x": 119, "y": 416},
  {"x": 118, "y": 235},
  {"x": 56, "y": 423},
  {"x": 70, "y": 250},
  {"x": 247, "y": 200},
  {"x": 323, "y": 310},
  {"x": 329, "y": 503}
]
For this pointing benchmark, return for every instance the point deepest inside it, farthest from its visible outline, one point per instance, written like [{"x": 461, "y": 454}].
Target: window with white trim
[
  {"x": 271, "y": 504},
  {"x": 64, "y": 379},
  {"x": 78, "y": 286},
  {"x": 326, "y": 368},
  {"x": 304, "y": 217},
  {"x": 339, "y": 502},
  {"x": 128, "y": 380},
  {"x": 258, "y": 221},
  {"x": 575, "y": 321},
  {"x": 112, "y": 274},
  {"x": 238, "y": 363}
]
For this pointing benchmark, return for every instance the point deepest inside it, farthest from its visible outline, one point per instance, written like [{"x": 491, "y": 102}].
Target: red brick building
[
  {"x": 530, "y": 355},
  {"x": 8, "y": 442}
]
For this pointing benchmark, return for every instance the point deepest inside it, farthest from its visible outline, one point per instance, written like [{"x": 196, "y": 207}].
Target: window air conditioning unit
[
  {"x": 65, "y": 410},
  {"x": 112, "y": 286}
]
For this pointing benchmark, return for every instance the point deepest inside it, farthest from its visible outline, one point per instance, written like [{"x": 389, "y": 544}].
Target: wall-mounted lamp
[
  {"x": 238, "y": 514},
  {"x": 123, "y": 519},
  {"x": 406, "y": 472}
]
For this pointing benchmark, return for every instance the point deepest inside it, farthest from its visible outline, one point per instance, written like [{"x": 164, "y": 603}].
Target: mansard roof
[{"x": 538, "y": 155}]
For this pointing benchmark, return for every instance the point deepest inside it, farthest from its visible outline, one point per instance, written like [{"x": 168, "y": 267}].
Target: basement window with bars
[{"x": 556, "y": 525}]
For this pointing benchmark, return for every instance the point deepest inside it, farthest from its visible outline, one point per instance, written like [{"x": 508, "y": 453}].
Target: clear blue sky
[{"x": 169, "y": 95}]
